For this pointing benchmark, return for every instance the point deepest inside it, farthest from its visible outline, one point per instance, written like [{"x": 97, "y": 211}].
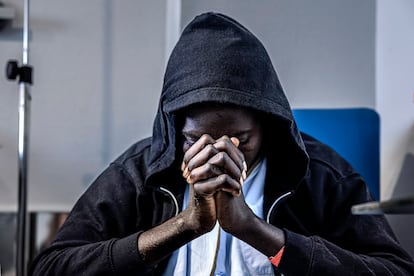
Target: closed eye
[{"x": 243, "y": 138}]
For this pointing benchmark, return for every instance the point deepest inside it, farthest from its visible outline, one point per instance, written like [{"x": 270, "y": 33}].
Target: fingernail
[
  {"x": 241, "y": 180},
  {"x": 188, "y": 180},
  {"x": 245, "y": 165},
  {"x": 182, "y": 166},
  {"x": 235, "y": 141},
  {"x": 244, "y": 174},
  {"x": 186, "y": 172}
]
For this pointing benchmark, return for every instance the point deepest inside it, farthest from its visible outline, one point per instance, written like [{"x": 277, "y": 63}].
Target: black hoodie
[{"x": 219, "y": 60}]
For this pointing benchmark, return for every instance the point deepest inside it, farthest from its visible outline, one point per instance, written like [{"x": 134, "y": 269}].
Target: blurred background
[{"x": 98, "y": 72}]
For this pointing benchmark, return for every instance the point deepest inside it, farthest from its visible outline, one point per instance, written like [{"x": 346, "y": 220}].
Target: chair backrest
[{"x": 353, "y": 133}]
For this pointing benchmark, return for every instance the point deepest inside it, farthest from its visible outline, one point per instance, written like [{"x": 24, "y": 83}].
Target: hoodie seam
[
  {"x": 311, "y": 257},
  {"x": 243, "y": 92},
  {"x": 109, "y": 255}
]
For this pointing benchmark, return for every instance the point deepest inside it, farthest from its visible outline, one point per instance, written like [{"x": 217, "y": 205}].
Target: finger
[
  {"x": 232, "y": 192},
  {"x": 223, "y": 160},
  {"x": 200, "y": 159},
  {"x": 236, "y": 142},
  {"x": 202, "y": 173},
  {"x": 204, "y": 140},
  {"x": 222, "y": 182},
  {"x": 229, "y": 145}
]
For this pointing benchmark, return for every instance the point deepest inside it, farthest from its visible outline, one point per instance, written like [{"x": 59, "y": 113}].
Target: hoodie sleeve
[
  {"x": 99, "y": 237},
  {"x": 350, "y": 245}
]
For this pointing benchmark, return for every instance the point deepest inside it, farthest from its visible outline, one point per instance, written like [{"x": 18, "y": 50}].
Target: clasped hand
[{"x": 215, "y": 171}]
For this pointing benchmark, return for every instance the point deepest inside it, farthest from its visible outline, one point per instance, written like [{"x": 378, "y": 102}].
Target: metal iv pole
[{"x": 24, "y": 73}]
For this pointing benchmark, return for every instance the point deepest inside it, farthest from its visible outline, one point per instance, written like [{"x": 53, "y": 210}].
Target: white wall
[
  {"x": 98, "y": 68},
  {"x": 395, "y": 99},
  {"x": 323, "y": 50},
  {"x": 395, "y": 86}
]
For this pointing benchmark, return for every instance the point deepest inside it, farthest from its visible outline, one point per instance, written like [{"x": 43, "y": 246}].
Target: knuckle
[
  {"x": 210, "y": 167},
  {"x": 221, "y": 156},
  {"x": 205, "y": 138},
  {"x": 220, "y": 144},
  {"x": 222, "y": 178},
  {"x": 225, "y": 137},
  {"x": 210, "y": 149},
  {"x": 223, "y": 143}
]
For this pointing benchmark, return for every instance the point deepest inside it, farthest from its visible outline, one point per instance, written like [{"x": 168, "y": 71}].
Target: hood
[{"x": 218, "y": 60}]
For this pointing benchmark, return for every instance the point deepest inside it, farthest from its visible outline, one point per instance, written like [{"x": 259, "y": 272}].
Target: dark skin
[{"x": 219, "y": 144}]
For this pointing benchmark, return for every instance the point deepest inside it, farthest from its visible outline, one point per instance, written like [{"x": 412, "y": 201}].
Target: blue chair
[{"x": 352, "y": 132}]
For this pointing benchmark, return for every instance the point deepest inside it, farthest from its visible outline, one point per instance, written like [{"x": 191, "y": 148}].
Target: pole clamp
[{"x": 24, "y": 72}]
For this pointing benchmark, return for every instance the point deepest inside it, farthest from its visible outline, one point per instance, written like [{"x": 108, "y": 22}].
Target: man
[{"x": 226, "y": 185}]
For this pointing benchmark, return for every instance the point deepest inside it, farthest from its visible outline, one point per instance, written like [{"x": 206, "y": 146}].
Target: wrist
[
  {"x": 262, "y": 236},
  {"x": 156, "y": 243},
  {"x": 242, "y": 227},
  {"x": 248, "y": 228},
  {"x": 191, "y": 223}
]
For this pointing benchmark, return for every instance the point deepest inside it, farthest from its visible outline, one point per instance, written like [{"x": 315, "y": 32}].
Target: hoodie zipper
[
  {"x": 276, "y": 203},
  {"x": 271, "y": 209},
  {"x": 172, "y": 196}
]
